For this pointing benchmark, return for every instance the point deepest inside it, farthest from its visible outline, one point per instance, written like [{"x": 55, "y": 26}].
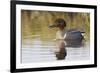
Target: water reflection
[{"x": 40, "y": 51}]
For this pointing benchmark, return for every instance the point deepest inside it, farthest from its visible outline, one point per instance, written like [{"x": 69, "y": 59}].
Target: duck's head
[{"x": 58, "y": 23}]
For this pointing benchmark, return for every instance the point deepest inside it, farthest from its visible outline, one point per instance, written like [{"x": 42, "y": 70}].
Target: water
[{"x": 39, "y": 51}]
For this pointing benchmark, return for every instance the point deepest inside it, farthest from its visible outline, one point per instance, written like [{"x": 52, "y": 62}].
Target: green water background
[{"x": 34, "y": 24}]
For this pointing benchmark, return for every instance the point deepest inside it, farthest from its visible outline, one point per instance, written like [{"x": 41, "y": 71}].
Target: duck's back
[{"x": 74, "y": 38}]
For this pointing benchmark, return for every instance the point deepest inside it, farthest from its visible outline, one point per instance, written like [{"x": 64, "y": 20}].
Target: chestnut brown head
[{"x": 58, "y": 23}]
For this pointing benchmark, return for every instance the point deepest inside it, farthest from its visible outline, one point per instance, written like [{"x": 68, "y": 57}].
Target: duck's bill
[{"x": 52, "y": 26}]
